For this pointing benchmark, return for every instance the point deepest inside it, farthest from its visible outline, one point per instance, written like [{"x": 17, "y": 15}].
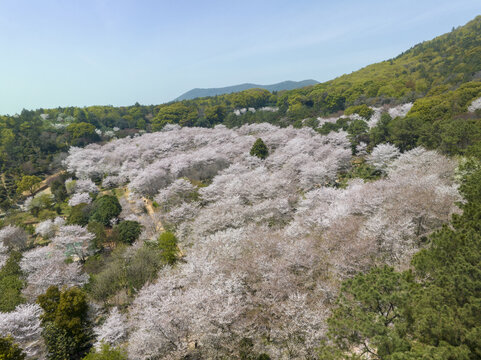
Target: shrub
[
  {"x": 79, "y": 214},
  {"x": 58, "y": 189},
  {"x": 39, "y": 203},
  {"x": 362, "y": 110},
  {"x": 128, "y": 231},
  {"x": 28, "y": 183},
  {"x": 126, "y": 271},
  {"x": 98, "y": 230},
  {"x": 11, "y": 283},
  {"x": 111, "y": 279},
  {"x": 46, "y": 214},
  {"x": 106, "y": 208},
  {"x": 143, "y": 267},
  {"x": 168, "y": 244}
]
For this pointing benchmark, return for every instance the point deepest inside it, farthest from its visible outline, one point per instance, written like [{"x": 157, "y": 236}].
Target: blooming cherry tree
[
  {"x": 80, "y": 198},
  {"x": 382, "y": 155},
  {"x": 113, "y": 331},
  {"x": 24, "y": 325}
]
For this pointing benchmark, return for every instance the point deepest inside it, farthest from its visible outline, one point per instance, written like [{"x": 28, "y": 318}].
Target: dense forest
[{"x": 336, "y": 221}]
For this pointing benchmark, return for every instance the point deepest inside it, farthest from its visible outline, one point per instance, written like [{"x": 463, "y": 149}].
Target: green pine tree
[{"x": 259, "y": 149}]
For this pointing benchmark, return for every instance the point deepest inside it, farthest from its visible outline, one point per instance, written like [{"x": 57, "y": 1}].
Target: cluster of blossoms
[
  {"x": 24, "y": 325},
  {"x": 46, "y": 265},
  {"x": 475, "y": 105}
]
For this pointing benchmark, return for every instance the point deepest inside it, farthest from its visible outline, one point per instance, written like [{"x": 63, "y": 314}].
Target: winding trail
[{"x": 151, "y": 211}]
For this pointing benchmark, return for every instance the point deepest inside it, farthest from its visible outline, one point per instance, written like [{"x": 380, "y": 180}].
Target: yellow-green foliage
[
  {"x": 443, "y": 105},
  {"x": 207, "y": 111},
  {"x": 175, "y": 113},
  {"x": 28, "y": 183},
  {"x": 450, "y": 59},
  {"x": 362, "y": 110},
  {"x": 437, "y": 121}
]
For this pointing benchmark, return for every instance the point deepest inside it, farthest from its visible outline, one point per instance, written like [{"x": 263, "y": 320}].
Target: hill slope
[
  {"x": 284, "y": 85},
  {"x": 448, "y": 60}
]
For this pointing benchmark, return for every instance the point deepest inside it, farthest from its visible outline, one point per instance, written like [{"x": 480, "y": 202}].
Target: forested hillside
[{"x": 337, "y": 221}]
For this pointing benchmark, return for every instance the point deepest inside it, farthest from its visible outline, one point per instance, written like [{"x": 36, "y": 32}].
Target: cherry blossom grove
[{"x": 265, "y": 242}]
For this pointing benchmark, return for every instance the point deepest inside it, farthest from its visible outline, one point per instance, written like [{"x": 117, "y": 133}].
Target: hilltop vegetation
[{"x": 338, "y": 221}]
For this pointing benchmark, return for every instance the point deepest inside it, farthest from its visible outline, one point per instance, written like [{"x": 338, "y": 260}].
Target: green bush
[
  {"x": 60, "y": 345},
  {"x": 326, "y": 128},
  {"x": 41, "y": 202},
  {"x": 128, "y": 231},
  {"x": 105, "y": 208},
  {"x": 127, "y": 272},
  {"x": 95, "y": 263},
  {"x": 362, "y": 110},
  {"x": 358, "y": 132},
  {"x": 98, "y": 230},
  {"x": 143, "y": 267},
  {"x": 82, "y": 133},
  {"x": 28, "y": 183},
  {"x": 46, "y": 214},
  {"x": 58, "y": 189},
  {"x": 79, "y": 214},
  {"x": 111, "y": 278}
]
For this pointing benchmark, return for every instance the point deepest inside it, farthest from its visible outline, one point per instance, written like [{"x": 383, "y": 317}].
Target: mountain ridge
[{"x": 283, "y": 85}]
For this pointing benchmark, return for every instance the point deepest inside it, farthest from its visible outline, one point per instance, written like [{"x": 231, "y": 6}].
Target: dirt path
[
  {"x": 158, "y": 225},
  {"x": 151, "y": 211},
  {"x": 149, "y": 207}
]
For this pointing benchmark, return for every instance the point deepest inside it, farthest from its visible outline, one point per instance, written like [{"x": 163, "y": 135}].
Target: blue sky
[{"x": 86, "y": 52}]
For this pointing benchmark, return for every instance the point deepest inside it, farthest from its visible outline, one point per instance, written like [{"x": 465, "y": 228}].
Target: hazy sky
[{"x": 85, "y": 52}]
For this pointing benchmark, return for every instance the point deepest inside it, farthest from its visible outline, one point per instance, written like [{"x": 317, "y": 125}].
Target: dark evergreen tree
[
  {"x": 79, "y": 214},
  {"x": 259, "y": 149},
  {"x": 67, "y": 330},
  {"x": 105, "y": 208},
  {"x": 128, "y": 231}
]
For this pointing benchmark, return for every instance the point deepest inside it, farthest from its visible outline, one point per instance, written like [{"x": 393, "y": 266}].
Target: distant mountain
[{"x": 284, "y": 85}]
